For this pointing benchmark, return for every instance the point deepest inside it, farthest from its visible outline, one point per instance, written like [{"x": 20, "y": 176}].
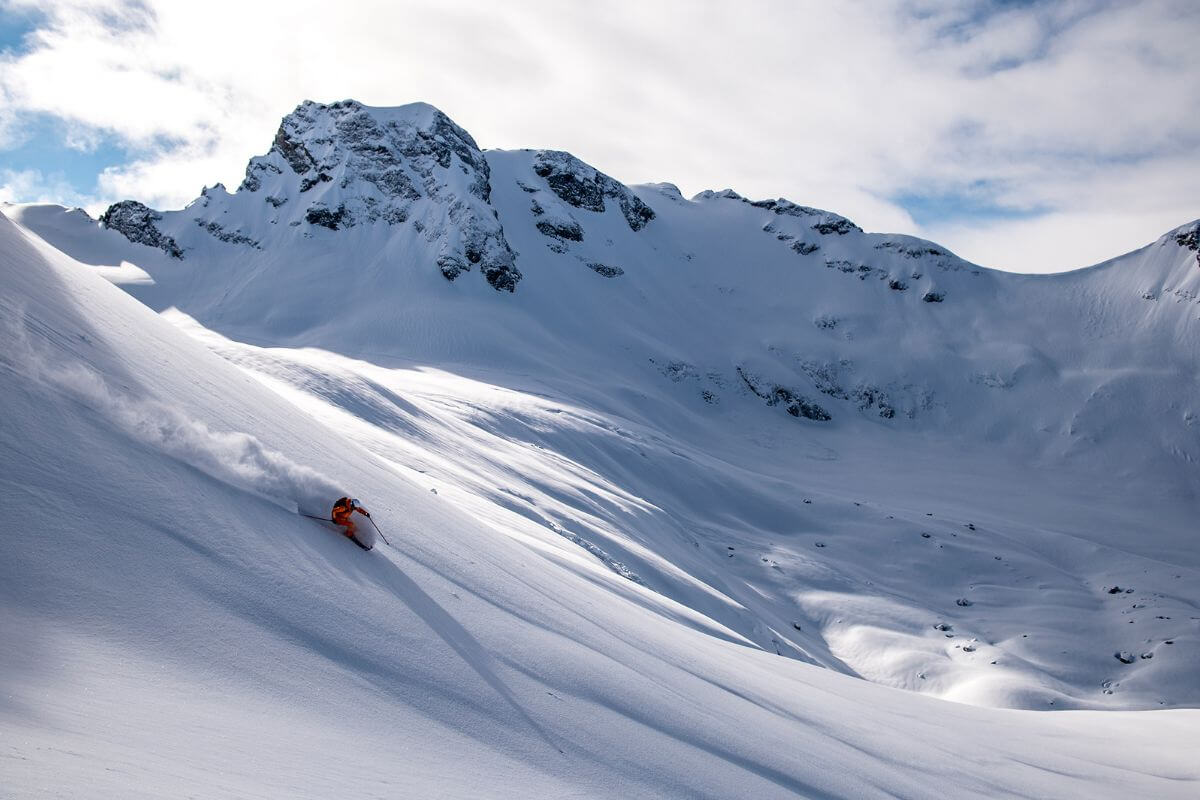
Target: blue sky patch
[
  {"x": 966, "y": 206},
  {"x": 14, "y": 26},
  {"x": 42, "y": 145}
]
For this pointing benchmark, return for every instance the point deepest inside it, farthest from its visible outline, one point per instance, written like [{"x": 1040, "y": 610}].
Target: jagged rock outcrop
[
  {"x": 346, "y": 165},
  {"x": 795, "y": 404},
  {"x": 1190, "y": 240},
  {"x": 585, "y": 187},
  {"x": 232, "y": 237},
  {"x": 605, "y": 269},
  {"x": 332, "y": 219},
  {"x": 823, "y": 222},
  {"x": 136, "y": 222},
  {"x": 561, "y": 229},
  {"x": 828, "y": 379}
]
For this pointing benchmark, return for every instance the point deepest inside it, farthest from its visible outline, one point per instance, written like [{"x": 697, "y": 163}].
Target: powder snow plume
[{"x": 233, "y": 457}]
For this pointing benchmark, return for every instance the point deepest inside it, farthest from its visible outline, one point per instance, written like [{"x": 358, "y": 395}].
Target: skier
[{"x": 342, "y": 511}]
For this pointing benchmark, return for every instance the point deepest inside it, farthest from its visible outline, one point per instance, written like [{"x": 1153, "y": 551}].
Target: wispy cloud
[
  {"x": 32, "y": 186},
  {"x": 976, "y": 123}
]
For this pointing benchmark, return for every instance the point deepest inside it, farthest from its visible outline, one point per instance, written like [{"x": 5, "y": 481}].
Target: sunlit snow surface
[{"x": 617, "y": 571}]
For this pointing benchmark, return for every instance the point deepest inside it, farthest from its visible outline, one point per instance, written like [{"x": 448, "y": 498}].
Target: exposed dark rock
[
  {"x": 1124, "y": 656},
  {"x": 795, "y": 404},
  {"x": 897, "y": 285},
  {"x": 251, "y": 183},
  {"x": 232, "y": 237},
  {"x": 561, "y": 229},
  {"x": 861, "y": 271},
  {"x": 276, "y": 201},
  {"x": 135, "y": 222},
  {"x": 826, "y": 377},
  {"x": 1191, "y": 241},
  {"x": 839, "y": 226},
  {"x": 384, "y": 164},
  {"x": 254, "y": 170},
  {"x": 570, "y": 179},
  {"x": 452, "y": 266},
  {"x": 869, "y": 396},
  {"x": 585, "y": 187},
  {"x": 309, "y": 183},
  {"x": 826, "y": 323},
  {"x": 723, "y": 194},
  {"x": 805, "y": 248},
  {"x": 292, "y": 149},
  {"x": 605, "y": 270},
  {"x": 910, "y": 251},
  {"x": 785, "y": 207},
  {"x": 502, "y": 278},
  {"x": 319, "y": 215},
  {"x": 828, "y": 222},
  {"x": 934, "y": 297}
]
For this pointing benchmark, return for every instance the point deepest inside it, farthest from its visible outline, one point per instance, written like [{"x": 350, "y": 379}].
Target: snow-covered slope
[{"x": 650, "y": 463}]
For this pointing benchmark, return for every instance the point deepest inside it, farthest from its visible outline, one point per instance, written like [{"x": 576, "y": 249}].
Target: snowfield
[{"x": 687, "y": 498}]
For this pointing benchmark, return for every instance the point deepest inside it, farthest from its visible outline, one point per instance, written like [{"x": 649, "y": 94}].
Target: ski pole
[{"x": 385, "y": 541}]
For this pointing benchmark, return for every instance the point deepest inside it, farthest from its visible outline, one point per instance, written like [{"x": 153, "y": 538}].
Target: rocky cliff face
[
  {"x": 583, "y": 186},
  {"x": 136, "y": 223},
  {"x": 351, "y": 165},
  {"x": 408, "y": 171},
  {"x": 343, "y": 166}
]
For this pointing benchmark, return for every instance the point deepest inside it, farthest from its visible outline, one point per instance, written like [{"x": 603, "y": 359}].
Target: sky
[{"x": 1027, "y": 136}]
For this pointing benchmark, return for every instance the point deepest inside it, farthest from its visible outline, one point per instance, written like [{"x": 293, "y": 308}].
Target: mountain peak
[{"x": 346, "y": 164}]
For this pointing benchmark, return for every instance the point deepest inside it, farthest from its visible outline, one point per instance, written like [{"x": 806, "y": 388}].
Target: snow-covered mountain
[{"x": 675, "y": 484}]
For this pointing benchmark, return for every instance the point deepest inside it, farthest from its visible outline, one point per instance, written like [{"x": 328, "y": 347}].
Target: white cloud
[
  {"x": 32, "y": 186},
  {"x": 1074, "y": 239},
  {"x": 1089, "y": 110}
]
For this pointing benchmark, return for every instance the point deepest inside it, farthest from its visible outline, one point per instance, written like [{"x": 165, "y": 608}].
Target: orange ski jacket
[{"x": 342, "y": 510}]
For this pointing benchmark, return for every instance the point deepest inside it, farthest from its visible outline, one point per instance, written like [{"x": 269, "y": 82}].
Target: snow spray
[{"x": 235, "y": 458}]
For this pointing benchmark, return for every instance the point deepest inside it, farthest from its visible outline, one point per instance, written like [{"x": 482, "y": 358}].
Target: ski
[{"x": 354, "y": 539}]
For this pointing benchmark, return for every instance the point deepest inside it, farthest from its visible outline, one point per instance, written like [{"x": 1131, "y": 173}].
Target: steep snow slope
[
  {"x": 643, "y": 371},
  {"x": 175, "y": 627},
  {"x": 639, "y": 505}
]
